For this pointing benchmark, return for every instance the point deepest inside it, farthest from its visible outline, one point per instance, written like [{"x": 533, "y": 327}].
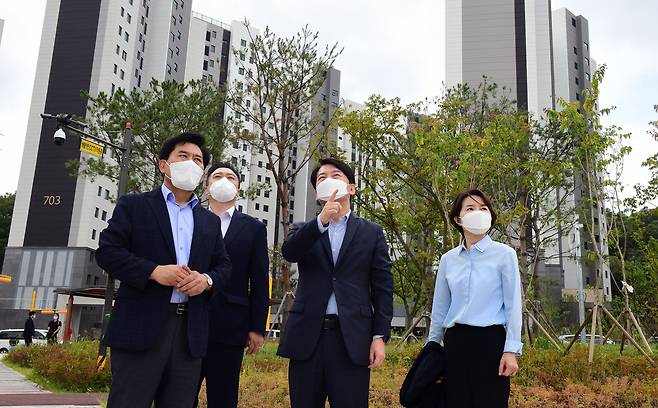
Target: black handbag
[{"x": 420, "y": 388}]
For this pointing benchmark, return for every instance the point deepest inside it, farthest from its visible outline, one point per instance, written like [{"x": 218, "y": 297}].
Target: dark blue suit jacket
[
  {"x": 137, "y": 239},
  {"x": 243, "y": 306},
  {"x": 361, "y": 280}
]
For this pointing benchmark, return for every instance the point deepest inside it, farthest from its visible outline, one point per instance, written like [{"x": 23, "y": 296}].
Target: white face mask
[
  {"x": 185, "y": 175},
  {"x": 477, "y": 222},
  {"x": 326, "y": 188},
  {"x": 223, "y": 190}
]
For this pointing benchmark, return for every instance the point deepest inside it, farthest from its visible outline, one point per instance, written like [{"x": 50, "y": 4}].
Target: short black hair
[
  {"x": 31, "y": 313},
  {"x": 459, "y": 200},
  {"x": 340, "y": 165},
  {"x": 56, "y": 314},
  {"x": 185, "y": 137},
  {"x": 226, "y": 165}
]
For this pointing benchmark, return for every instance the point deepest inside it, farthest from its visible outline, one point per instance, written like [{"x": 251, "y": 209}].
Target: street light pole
[
  {"x": 122, "y": 189},
  {"x": 65, "y": 121}
]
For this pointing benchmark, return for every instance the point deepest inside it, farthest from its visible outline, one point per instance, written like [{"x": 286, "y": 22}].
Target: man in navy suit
[
  {"x": 168, "y": 253},
  {"x": 341, "y": 316},
  {"x": 237, "y": 315}
]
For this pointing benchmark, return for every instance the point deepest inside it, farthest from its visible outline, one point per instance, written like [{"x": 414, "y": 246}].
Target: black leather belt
[
  {"x": 330, "y": 322},
  {"x": 178, "y": 308}
]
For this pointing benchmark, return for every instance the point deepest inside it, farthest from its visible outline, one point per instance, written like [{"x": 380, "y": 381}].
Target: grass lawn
[{"x": 546, "y": 378}]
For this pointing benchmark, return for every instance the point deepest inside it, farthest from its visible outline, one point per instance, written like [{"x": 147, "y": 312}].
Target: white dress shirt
[{"x": 226, "y": 218}]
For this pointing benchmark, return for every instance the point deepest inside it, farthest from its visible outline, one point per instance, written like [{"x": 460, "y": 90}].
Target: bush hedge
[{"x": 546, "y": 378}]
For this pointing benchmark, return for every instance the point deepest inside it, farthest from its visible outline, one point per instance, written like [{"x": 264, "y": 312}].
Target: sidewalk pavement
[{"x": 18, "y": 392}]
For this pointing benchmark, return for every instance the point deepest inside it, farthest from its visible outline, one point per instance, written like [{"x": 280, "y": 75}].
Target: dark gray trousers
[
  {"x": 165, "y": 375},
  {"x": 329, "y": 373}
]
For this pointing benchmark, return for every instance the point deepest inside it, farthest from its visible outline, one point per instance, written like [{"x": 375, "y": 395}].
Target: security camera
[{"x": 60, "y": 137}]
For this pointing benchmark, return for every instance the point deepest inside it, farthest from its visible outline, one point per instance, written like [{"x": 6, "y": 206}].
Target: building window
[
  {"x": 173, "y": 20},
  {"x": 206, "y": 51},
  {"x": 241, "y": 177},
  {"x": 586, "y": 46},
  {"x": 120, "y": 30},
  {"x": 175, "y": 67},
  {"x": 124, "y": 55},
  {"x": 123, "y": 11},
  {"x": 573, "y": 21},
  {"x": 241, "y": 71},
  {"x": 575, "y": 65},
  {"x": 267, "y": 180},
  {"x": 259, "y": 178},
  {"x": 207, "y": 35},
  {"x": 244, "y": 147},
  {"x": 248, "y": 102},
  {"x": 334, "y": 92},
  {"x": 214, "y": 34},
  {"x": 575, "y": 50},
  {"x": 292, "y": 205},
  {"x": 179, "y": 35},
  {"x": 136, "y": 73},
  {"x": 177, "y": 51},
  {"x": 115, "y": 68},
  {"x": 266, "y": 208},
  {"x": 104, "y": 215},
  {"x": 180, "y": 19},
  {"x": 93, "y": 234},
  {"x": 107, "y": 194},
  {"x": 587, "y": 61},
  {"x": 211, "y": 63},
  {"x": 168, "y": 69},
  {"x": 122, "y": 74},
  {"x": 212, "y": 48},
  {"x": 205, "y": 65},
  {"x": 145, "y": 27},
  {"x": 577, "y": 96},
  {"x": 171, "y": 36},
  {"x": 171, "y": 53},
  {"x": 95, "y": 280},
  {"x": 587, "y": 75},
  {"x": 129, "y": 18},
  {"x": 243, "y": 42},
  {"x": 118, "y": 49},
  {"x": 96, "y": 212},
  {"x": 577, "y": 81},
  {"x": 266, "y": 194},
  {"x": 257, "y": 206},
  {"x": 113, "y": 87},
  {"x": 244, "y": 162},
  {"x": 260, "y": 164},
  {"x": 100, "y": 190},
  {"x": 126, "y": 36},
  {"x": 264, "y": 221}
]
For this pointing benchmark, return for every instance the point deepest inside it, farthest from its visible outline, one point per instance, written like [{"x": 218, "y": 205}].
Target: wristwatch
[{"x": 209, "y": 281}]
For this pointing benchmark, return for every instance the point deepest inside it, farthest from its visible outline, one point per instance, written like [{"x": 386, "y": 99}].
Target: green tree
[
  {"x": 157, "y": 114},
  {"x": 6, "y": 211},
  {"x": 273, "y": 107}
]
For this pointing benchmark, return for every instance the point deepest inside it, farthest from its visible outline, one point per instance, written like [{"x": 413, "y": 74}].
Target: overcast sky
[{"x": 392, "y": 48}]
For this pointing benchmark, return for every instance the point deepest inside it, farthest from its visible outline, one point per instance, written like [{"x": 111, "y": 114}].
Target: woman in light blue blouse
[{"x": 477, "y": 309}]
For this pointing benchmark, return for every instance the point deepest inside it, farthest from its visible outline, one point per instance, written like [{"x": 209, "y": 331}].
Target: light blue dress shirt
[
  {"x": 336, "y": 236},
  {"x": 480, "y": 287},
  {"x": 182, "y": 230}
]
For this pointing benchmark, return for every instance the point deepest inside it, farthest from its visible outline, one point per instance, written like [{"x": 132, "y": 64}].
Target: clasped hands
[{"x": 186, "y": 281}]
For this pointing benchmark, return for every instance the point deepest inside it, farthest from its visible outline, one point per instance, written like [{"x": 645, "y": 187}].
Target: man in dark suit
[
  {"x": 341, "y": 316},
  {"x": 168, "y": 253},
  {"x": 238, "y": 314},
  {"x": 28, "y": 329}
]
